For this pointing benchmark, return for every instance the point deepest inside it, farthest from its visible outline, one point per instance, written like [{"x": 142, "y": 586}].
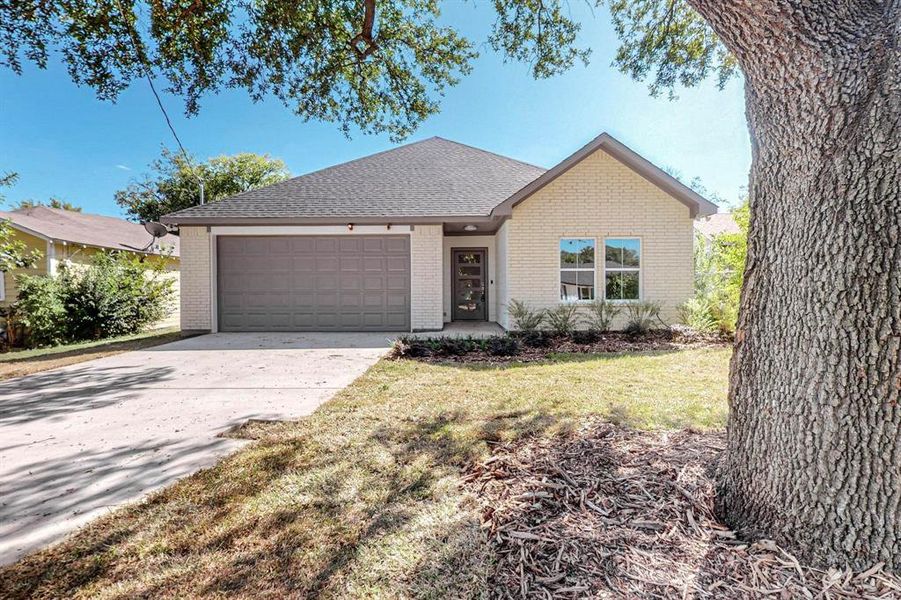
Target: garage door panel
[{"x": 313, "y": 283}]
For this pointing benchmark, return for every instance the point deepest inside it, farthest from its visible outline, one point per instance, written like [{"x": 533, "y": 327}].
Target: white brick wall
[
  {"x": 426, "y": 277},
  {"x": 195, "y": 278},
  {"x": 600, "y": 197}
]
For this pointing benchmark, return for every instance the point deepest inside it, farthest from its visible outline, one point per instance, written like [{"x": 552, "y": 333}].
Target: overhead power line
[{"x": 148, "y": 75}]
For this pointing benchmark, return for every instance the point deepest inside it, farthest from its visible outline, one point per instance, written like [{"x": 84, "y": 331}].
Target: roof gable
[
  {"x": 697, "y": 205},
  {"x": 430, "y": 178},
  {"x": 83, "y": 228}
]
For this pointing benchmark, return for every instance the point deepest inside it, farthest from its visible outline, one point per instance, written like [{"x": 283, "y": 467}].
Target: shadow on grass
[{"x": 317, "y": 512}]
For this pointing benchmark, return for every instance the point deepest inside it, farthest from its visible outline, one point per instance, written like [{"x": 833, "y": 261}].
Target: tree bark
[{"x": 814, "y": 435}]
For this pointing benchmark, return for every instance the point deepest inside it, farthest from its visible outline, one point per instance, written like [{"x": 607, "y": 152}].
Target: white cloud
[{"x": 123, "y": 167}]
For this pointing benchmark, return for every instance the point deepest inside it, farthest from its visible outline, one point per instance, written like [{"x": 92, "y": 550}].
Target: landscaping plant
[
  {"x": 525, "y": 319},
  {"x": 562, "y": 319},
  {"x": 697, "y": 313},
  {"x": 640, "y": 316},
  {"x": 600, "y": 315},
  {"x": 502, "y": 345},
  {"x": 117, "y": 294},
  {"x": 585, "y": 336}
]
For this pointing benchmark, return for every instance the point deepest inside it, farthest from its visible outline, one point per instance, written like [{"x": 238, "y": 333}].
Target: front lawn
[
  {"x": 366, "y": 497},
  {"x": 26, "y": 362}
]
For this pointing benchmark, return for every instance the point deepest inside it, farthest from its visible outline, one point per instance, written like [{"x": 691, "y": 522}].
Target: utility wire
[{"x": 136, "y": 45}]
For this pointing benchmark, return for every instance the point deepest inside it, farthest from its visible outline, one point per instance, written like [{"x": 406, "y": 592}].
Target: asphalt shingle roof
[
  {"x": 90, "y": 230},
  {"x": 432, "y": 177}
]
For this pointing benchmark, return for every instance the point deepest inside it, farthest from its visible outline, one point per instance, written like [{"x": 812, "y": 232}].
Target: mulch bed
[
  {"x": 609, "y": 512},
  {"x": 611, "y": 342}
]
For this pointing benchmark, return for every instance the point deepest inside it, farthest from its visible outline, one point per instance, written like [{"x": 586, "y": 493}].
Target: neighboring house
[
  {"x": 433, "y": 232},
  {"x": 713, "y": 225},
  {"x": 72, "y": 238}
]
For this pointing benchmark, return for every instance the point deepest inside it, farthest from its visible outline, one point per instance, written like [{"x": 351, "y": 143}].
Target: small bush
[
  {"x": 407, "y": 346},
  {"x": 502, "y": 345},
  {"x": 698, "y": 314},
  {"x": 535, "y": 339},
  {"x": 582, "y": 336},
  {"x": 600, "y": 315},
  {"x": 525, "y": 319},
  {"x": 41, "y": 311},
  {"x": 562, "y": 319},
  {"x": 449, "y": 346},
  {"x": 641, "y": 316}
]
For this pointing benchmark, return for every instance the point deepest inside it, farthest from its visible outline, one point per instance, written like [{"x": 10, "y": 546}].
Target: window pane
[
  {"x": 576, "y": 285},
  {"x": 577, "y": 253},
  {"x": 619, "y": 254},
  {"x": 622, "y": 286}
]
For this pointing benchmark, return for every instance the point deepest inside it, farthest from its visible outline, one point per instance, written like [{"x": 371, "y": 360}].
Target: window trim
[
  {"x": 560, "y": 269},
  {"x": 2, "y": 286},
  {"x": 640, "y": 269}
]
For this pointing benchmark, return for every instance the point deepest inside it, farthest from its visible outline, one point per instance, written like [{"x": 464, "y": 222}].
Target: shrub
[
  {"x": 535, "y": 339},
  {"x": 583, "y": 336},
  {"x": 525, "y": 319},
  {"x": 407, "y": 346},
  {"x": 449, "y": 346},
  {"x": 600, "y": 315},
  {"x": 117, "y": 294},
  {"x": 697, "y": 313},
  {"x": 562, "y": 319},
  {"x": 641, "y": 316},
  {"x": 502, "y": 345},
  {"x": 41, "y": 311}
]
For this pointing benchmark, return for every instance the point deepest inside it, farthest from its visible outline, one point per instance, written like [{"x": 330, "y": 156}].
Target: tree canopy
[
  {"x": 52, "y": 203},
  {"x": 381, "y": 66},
  {"x": 172, "y": 183}
]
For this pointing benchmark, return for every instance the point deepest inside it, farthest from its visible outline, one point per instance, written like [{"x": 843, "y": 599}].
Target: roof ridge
[{"x": 504, "y": 156}]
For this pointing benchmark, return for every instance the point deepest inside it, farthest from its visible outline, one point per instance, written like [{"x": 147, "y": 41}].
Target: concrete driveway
[{"x": 76, "y": 442}]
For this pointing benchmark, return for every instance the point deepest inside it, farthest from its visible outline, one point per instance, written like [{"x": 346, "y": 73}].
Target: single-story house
[
  {"x": 436, "y": 231},
  {"x": 65, "y": 237}
]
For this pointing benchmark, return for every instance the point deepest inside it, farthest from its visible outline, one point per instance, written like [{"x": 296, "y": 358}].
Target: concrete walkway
[{"x": 76, "y": 442}]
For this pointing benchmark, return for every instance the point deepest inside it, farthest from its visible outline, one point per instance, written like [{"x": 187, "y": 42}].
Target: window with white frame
[
  {"x": 577, "y": 269},
  {"x": 622, "y": 269},
  {"x": 2, "y": 286}
]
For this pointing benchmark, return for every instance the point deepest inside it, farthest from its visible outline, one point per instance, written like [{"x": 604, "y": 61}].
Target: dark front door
[{"x": 470, "y": 292}]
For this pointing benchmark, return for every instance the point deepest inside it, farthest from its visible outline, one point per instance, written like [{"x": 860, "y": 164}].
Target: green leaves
[
  {"x": 539, "y": 33},
  {"x": 173, "y": 185},
  {"x": 668, "y": 42},
  {"x": 377, "y": 65}
]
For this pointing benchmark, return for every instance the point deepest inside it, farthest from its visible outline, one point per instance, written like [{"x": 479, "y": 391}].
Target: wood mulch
[{"x": 609, "y": 512}]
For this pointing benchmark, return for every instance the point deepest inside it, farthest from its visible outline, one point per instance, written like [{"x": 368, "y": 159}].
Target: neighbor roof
[
  {"x": 714, "y": 225},
  {"x": 86, "y": 229},
  {"x": 430, "y": 178}
]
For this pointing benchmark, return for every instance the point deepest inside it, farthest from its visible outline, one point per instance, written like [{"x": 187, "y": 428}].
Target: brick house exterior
[{"x": 604, "y": 223}]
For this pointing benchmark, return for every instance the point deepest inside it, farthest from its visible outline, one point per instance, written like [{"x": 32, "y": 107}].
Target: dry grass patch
[{"x": 365, "y": 497}]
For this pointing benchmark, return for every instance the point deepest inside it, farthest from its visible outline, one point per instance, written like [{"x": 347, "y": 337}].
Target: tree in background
[
  {"x": 173, "y": 183},
  {"x": 52, "y": 203},
  {"x": 14, "y": 254},
  {"x": 815, "y": 384},
  {"x": 719, "y": 274}
]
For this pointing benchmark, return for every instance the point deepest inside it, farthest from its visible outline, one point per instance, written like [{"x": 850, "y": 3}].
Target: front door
[{"x": 470, "y": 292}]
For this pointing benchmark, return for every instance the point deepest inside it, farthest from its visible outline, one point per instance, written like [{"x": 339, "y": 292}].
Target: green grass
[
  {"x": 25, "y": 362},
  {"x": 20, "y": 355},
  {"x": 363, "y": 498}
]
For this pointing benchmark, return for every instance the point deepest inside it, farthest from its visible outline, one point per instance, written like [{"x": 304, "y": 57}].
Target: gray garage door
[{"x": 314, "y": 283}]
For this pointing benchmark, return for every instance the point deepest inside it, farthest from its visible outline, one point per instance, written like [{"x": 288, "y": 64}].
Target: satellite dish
[{"x": 157, "y": 230}]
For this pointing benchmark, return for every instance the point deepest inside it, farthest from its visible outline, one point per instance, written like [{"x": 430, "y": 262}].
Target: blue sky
[{"x": 64, "y": 142}]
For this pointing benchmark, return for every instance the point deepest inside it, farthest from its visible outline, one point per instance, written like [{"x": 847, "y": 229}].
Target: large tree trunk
[{"x": 814, "y": 434}]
